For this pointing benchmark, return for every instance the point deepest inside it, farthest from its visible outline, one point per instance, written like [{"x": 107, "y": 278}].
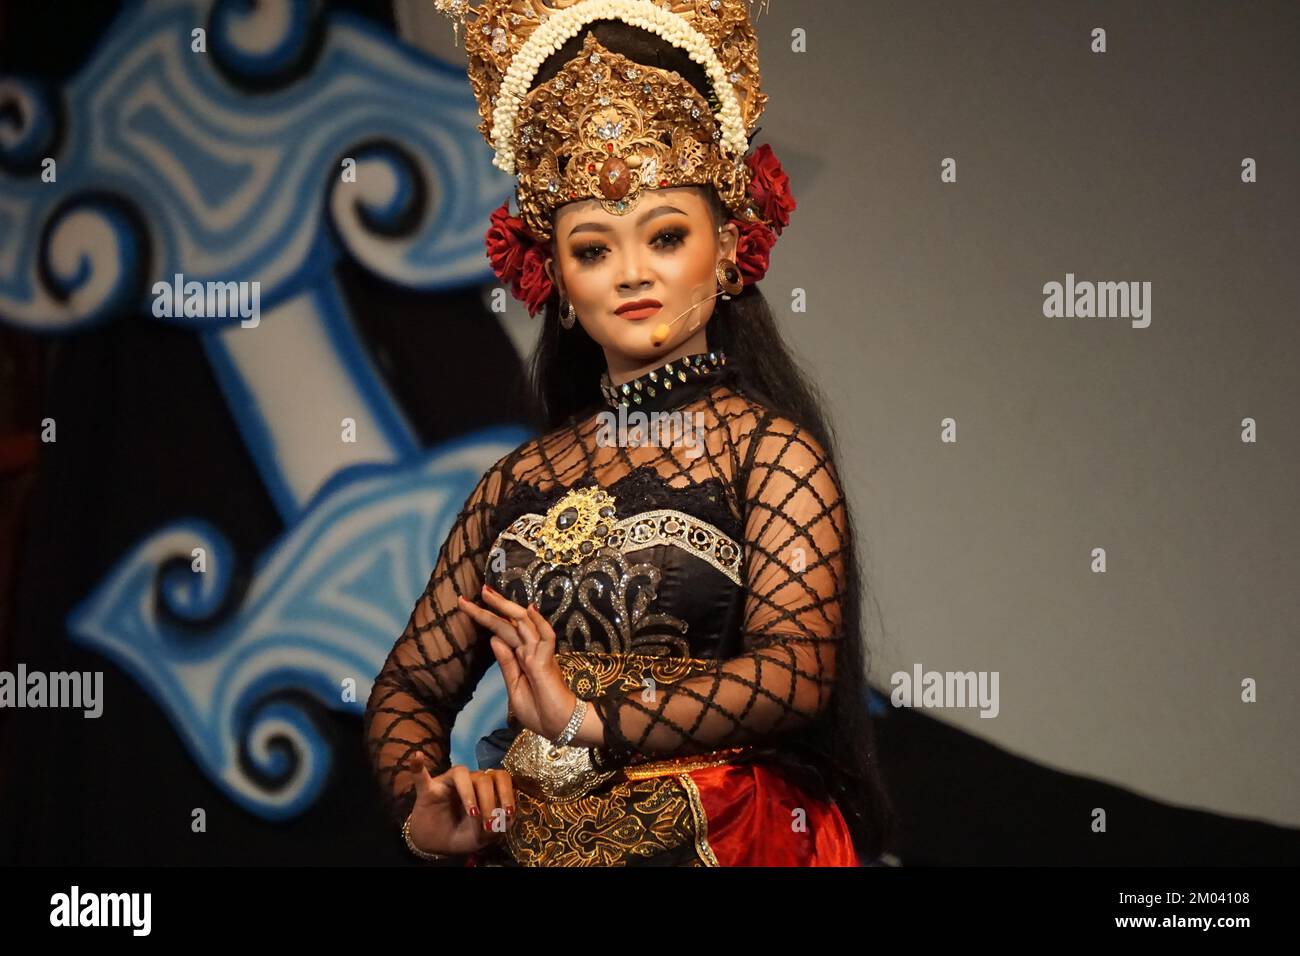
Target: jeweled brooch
[{"x": 576, "y": 526}]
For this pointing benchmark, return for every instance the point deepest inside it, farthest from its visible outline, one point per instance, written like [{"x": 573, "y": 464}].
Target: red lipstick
[{"x": 640, "y": 309}]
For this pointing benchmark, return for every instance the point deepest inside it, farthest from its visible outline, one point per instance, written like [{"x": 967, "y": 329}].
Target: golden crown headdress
[{"x": 605, "y": 127}]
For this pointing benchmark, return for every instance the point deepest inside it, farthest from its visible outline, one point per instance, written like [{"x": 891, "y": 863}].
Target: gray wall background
[{"x": 925, "y": 302}]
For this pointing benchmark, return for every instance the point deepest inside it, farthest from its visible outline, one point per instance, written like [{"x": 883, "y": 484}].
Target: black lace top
[{"x": 725, "y": 546}]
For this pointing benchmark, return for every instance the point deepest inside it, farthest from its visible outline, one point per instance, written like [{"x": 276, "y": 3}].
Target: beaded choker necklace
[{"x": 669, "y": 384}]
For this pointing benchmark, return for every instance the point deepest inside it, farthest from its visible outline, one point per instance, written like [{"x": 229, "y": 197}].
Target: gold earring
[
  {"x": 729, "y": 278},
  {"x": 567, "y": 315}
]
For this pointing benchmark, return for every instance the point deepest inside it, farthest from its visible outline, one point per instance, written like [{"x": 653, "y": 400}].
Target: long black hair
[{"x": 563, "y": 381}]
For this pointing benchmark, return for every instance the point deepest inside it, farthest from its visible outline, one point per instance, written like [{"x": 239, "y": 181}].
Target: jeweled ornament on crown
[{"x": 615, "y": 178}]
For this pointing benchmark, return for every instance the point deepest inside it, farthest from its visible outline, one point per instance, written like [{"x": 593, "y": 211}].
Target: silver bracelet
[
  {"x": 571, "y": 728},
  {"x": 410, "y": 844}
]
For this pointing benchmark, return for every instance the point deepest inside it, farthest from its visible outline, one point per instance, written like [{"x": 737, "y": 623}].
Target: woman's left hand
[{"x": 524, "y": 644}]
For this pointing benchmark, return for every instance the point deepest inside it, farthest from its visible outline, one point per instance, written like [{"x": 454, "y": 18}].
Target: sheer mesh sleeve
[
  {"x": 794, "y": 579},
  {"x": 439, "y": 658}
]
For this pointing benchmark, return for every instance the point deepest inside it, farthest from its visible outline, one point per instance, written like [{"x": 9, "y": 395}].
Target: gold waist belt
[
  {"x": 576, "y": 809},
  {"x": 558, "y": 774}
]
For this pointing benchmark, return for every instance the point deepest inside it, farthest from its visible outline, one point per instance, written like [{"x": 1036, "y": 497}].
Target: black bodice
[{"x": 728, "y": 549}]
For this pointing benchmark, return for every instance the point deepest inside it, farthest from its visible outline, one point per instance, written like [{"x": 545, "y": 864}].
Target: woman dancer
[{"x": 667, "y": 576}]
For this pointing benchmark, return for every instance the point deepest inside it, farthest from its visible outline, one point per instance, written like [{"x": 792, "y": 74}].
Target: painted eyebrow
[{"x": 597, "y": 227}]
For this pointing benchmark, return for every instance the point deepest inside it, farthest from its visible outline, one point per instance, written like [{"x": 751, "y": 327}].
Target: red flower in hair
[
  {"x": 518, "y": 260},
  {"x": 753, "y": 250},
  {"x": 769, "y": 187},
  {"x": 507, "y": 241},
  {"x": 534, "y": 286}
]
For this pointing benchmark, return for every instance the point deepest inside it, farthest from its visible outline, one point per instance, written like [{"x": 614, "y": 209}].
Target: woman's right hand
[{"x": 460, "y": 811}]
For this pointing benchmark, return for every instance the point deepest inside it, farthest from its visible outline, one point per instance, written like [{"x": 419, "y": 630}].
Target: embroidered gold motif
[
  {"x": 702, "y": 848},
  {"x": 591, "y": 674},
  {"x": 645, "y": 530},
  {"x": 680, "y": 765},
  {"x": 637, "y": 818}
]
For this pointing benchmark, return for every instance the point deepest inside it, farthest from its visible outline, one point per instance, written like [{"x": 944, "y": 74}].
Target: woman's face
[{"x": 666, "y": 249}]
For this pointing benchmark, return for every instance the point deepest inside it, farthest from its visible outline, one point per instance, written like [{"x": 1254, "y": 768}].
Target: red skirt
[{"x": 754, "y": 817}]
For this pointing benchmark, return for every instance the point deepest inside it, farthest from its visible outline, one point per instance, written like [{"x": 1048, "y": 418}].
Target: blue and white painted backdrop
[{"x": 219, "y": 155}]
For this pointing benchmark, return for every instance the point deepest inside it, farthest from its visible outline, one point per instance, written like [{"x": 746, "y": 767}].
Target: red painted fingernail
[
  {"x": 489, "y": 589},
  {"x": 473, "y": 811},
  {"x": 510, "y": 811}
]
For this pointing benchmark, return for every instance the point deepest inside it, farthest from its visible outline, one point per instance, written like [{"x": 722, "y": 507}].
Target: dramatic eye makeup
[{"x": 665, "y": 240}]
